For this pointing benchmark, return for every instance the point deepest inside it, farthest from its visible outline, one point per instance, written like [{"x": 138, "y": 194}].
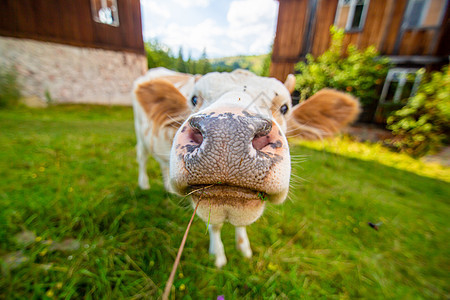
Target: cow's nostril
[
  {"x": 260, "y": 142},
  {"x": 196, "y": 136},
  {"x": 262, "y": 137},
  {"x": 195, "y": 133}
]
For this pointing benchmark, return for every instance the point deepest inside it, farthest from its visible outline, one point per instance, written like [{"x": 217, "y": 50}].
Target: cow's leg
[
  {"x": 165, "y": 172},
  {"x": 242, "y": 242},
  {"x": 216, "y": 245},
  {"x": 142, "y": 157}
]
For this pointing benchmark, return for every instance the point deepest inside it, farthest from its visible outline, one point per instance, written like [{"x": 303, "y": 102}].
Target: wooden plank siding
[
  {"x": 443, "y": 40},
  {"x": 70, "y": 22},
  {"x": 326, "y": 11},
  {"x": 289, "y": 36},
  {"x": 290, "y": 29},
  {"x": 416, "y": 42},
  {"x": 395, "y": 23},
  {"x": 382, "y": 28}
]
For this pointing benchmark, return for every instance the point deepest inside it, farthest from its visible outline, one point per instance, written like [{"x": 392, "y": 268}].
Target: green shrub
[
  {"x": 9, "y": 88},
  {"x": 359, "y": 72},
  {"x": 422, "y": 125}
]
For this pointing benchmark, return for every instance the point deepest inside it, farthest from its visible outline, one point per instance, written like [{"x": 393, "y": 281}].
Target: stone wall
[{"x": 70, "y": 74}]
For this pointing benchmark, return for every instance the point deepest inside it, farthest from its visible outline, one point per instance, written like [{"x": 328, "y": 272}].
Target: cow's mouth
[{"x": 225, "y": 193}]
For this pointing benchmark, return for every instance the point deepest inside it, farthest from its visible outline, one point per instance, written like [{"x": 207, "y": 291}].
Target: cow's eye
[
  {"x": 284, "y": 109},
  {"x": 194, "y": 100}
]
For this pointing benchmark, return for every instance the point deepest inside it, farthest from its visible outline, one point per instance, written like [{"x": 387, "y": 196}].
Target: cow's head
[{"x": 231, "y": 150}]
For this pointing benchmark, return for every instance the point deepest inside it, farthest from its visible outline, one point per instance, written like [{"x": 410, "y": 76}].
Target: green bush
[
  {"x": 422, "y": 125},
  {"x": 9, "y": 87},
  {"x": 359, "y": 72}
]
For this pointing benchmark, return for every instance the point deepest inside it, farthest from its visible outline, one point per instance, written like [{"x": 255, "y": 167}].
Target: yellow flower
[
  {"x": 180, "y": 275},
  {"x": 38, "y": 239},
  {"x": 49, "y": 293},
  {"x": 182, "y": 287},
  {"x": 41, "y": 169},
  {"x": 272, "y": 267}
]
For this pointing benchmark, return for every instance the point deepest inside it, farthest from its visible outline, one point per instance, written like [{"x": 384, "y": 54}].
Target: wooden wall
[
  {"x": 326, "y": 11},
  {"x": 382, "y": 29},
  {"x": 288, "y": 42},
  {"x": 70, "y": 22},
  {"x": 393, "y": 19}
]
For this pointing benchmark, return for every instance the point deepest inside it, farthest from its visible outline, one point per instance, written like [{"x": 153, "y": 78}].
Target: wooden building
[
  {"x": 412, "y": 33},
  {"x": 73, "y": 50}
]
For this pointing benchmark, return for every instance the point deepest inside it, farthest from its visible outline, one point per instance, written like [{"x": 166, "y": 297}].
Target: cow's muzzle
[{"x": 230, "y": 149}]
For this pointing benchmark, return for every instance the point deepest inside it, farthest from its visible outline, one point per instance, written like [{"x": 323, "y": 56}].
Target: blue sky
[{"x": 224, "y": 28}]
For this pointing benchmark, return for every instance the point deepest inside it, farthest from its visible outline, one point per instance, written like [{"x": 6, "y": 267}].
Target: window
[
  {"x": 424, "y": 13},
  {"x": 105, "y": 11},
  {"x": 416, "y": 13},
  {"x": 401, "y": 83},
  {"x": 351, "y": 14}
]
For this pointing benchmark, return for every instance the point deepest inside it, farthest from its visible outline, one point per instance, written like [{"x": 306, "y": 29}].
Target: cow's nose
[
  {"x": 255, "y": 129},
  {"x": 236, "y": 149}
]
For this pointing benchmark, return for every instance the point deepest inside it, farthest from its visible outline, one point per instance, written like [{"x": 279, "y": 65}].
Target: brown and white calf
[{"x": 223, "y": 135}]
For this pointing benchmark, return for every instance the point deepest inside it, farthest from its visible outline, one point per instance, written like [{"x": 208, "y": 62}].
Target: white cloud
[
  {"x": 249, "y": 27},
  {"x": 250, "y": 12},
  {"x": 193, "y": 3},
  {"x": 253, "y": 22},
  {"x": 196, "y": 37},
  {"x": 156, "y": 8}
]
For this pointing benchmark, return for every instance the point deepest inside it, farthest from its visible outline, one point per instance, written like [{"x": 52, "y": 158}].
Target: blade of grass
[{"x": 169, "y": 283}]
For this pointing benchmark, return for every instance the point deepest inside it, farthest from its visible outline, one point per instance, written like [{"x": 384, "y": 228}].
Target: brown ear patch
[
  {"x": 164, "y": 105},
  {"x": 323, "y": 114}
]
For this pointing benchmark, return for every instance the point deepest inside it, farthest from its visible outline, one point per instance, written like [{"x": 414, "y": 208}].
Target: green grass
[{"x": 68, "y": 175}]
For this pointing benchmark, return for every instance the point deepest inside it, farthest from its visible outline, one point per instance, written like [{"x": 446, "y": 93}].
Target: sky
[{"x": 222, "y": 27}]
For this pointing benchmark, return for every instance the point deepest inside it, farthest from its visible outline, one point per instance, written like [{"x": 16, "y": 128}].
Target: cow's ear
[
  {"x": 290, "y": 83},
  {"x": 162, "y": 102},
  {"x": 322, "y": 115},
  {"x": 183, "y": 82}
]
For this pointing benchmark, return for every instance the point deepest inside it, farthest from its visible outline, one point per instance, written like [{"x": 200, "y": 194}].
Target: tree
[
  {"x": 203, "y": 65},
  {"x": 266, "y": 64},
  {"x": 181, "y": 65},
  {"x": 159, "y": 55},
  {"x": 191, "y": 65}
]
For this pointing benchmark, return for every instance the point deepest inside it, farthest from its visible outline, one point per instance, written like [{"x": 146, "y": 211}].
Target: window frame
[
  {"x": 402, "y": 79},
  {"x": 423, "y": 15},
  {"x": 351, "y": 15},
  {"x": 104, "y": 4}
]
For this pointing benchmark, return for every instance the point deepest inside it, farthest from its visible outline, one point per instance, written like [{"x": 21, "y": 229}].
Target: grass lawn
[{"x": 73, "y": 223}]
